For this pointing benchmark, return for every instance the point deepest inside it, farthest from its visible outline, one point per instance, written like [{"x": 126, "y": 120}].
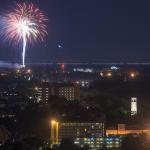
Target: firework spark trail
[
  {"x": 25, "y": 23},
  {"x": 24, "y": 48}
]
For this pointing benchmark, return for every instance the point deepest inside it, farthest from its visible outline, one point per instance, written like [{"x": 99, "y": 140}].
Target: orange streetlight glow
[
  {"x": 109, "y": 74},
  {"x": 132, "y": 75},
  {"x": 53, "y": 122}
]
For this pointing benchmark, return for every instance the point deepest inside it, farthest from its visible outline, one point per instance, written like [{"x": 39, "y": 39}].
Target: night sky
[{"x": 88, "y": 31}]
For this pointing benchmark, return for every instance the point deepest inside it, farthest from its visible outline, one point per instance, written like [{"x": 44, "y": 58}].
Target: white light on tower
[{"x": 133, "y": 106}]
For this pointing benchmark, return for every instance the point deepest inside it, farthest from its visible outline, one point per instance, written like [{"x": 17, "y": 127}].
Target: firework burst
[{"x": 25, "y": 23}]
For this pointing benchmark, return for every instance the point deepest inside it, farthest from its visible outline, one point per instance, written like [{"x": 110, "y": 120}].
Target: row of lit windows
[
  {"x": 97, "y": 144},
  {"x": 81, "y": 124},
  {"x": 100, "y": 139}
]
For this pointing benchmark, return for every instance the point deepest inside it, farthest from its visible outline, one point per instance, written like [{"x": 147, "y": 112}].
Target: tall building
[
  {"x": 54, "y": 132},
  {"x": 41, "y": 92},
  {"x": 133, "y": 106},
  {"x": 82, "y": 133},
  {"x": 70, "y": 92}
]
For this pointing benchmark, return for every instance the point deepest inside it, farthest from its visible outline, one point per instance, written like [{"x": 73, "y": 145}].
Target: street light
[
  {"x": 53, "y": 122},
  {"x": 132, "y": 75},
  {"x": 109, "y": 74}
]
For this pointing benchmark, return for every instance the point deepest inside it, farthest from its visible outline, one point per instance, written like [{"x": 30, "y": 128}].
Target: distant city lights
[
  {"x": 29, "y": 71},
  {"x": 62, "y": 66},
  {"x": 83, "y": 70},
  {"x": 114, "y": 68}
]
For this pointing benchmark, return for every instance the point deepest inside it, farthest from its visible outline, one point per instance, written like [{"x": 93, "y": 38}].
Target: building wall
[
  {"x": 74, "y": 131},
  {"x": 70, "y": 92},
  {"x": 97, "y": 143},
  {"x": 41, "y": 92},
  {"x": 92, "y": 134},
  {"x": 125, "y": 132}
]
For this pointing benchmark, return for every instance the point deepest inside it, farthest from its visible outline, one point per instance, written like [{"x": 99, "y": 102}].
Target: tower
[
  {"x": 133, "y": 106},
  {"x": 54, "y": 132}
]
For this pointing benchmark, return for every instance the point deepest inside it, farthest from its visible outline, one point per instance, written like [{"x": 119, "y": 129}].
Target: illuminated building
[
  {"x": 41, "y": 93},
  {"x": 133, "y": 106},
  {"x": 23, "y": 71},
  {"x": 97, "y": 143},
  {"x": 86, "y": 70},
  {"x": 70, "y": 92},
  {"x": 124, "y": 130},
  {"x": 82, "y": 133},
  {"x": 67, "y": 92},
  {"x": 5, "y": 94},
  {"x": 83, "y": 83},
  {"x": 54, "y": 132},
  {"x": 127, "y": 132},
  {"x": 107, "y": 73}
]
